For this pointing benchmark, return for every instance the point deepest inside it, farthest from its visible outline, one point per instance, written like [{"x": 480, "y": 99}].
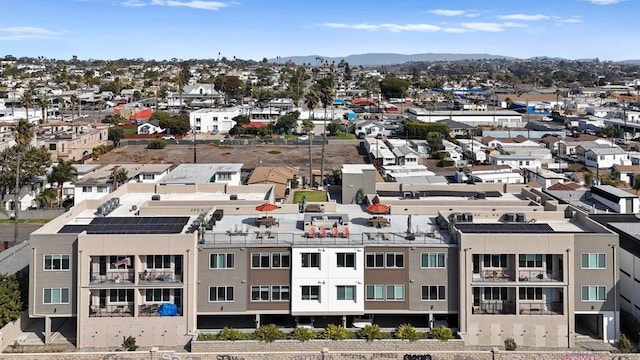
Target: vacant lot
[{"x": 336, "y": 154}]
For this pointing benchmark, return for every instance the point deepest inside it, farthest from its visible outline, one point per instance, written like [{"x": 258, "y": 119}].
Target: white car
[
  {"x": 303, "y": 138},
  {"x": 168, "y": 137}
]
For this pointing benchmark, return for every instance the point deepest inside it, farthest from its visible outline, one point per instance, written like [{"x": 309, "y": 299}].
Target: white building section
[{"x": 213, "y": 120}]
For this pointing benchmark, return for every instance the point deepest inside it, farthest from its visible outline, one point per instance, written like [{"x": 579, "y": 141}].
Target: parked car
[
  {"x": 303, "y": 138},
  {"x": 168, "y": 137}
]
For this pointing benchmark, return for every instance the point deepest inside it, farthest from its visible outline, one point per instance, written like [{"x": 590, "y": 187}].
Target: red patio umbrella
[
  {"x": 266, "y": 207},
  {"x": 378, "y": 208}
]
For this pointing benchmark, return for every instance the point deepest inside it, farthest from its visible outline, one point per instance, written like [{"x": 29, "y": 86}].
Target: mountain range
[{"x": 377, "y": 59}]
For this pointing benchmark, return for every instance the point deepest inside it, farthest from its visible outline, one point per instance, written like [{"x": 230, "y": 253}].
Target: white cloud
[
  {"x": 388, "y": 27},
  {"x": 483, "y": 26},
  {"x": 193, "y": 4},
  {"x": 26, "y": 33},
  {"x": 571, "y": 20},
  {"x": 133, "y": 3},
  {"x": 514, "y": 25},
  {"x": 455, "y": 30},
  {"x": 604, "y": 2},
  {"x": 524, "y": 17},
  {"x": 445, "y": 12}
]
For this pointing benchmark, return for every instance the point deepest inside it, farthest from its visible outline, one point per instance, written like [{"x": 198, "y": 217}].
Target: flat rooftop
[{"x": 198, "y": 173}]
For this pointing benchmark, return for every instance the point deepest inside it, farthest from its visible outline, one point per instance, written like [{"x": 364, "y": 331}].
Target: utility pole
[
  {"x": 16, "y": 195},
  {"x": 195, "y": 160}
]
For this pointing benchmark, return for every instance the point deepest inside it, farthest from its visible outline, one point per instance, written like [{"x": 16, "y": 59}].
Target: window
[
  {"x": 86, "y": 189},
  {"x": 224, "y": 176},
  {"x": 260, "y": 293},
  {"x": 530, "y": 260},
  {"x": 260, "y": 260},
  {"x": 497, "y": 261},
  {"x": 56, "y": 262},
  {"x": 380, "y": 260},
  {"x": 220, "y": 293},
  {"x": 157, "y": 295},
  {"x": 120, "y": 295},
  {"x": 158, "y": 261},
  {"x": 347, "y": 292},
  {"x": 375, "y": 292},
  {"x": 594, "y": 293},
  {"x": 346, "y": 260},
  {"x": 433, "y": 292},
  {"x": 530, "y": 293},
  {"x": 395, "y": 292},
  {"x": 375, "y": 260},
  {"x": 280, "y": 293},
  {"x": 148, "y": 176},
  {"x": 52, "y": 147},
  {"x": 311, "y": 293},
  {"x": 102, "y": 189},
  {"x": 495, "y": 293},
  {"x": 56, "y": 296},
  {"x": 280, "y": 260},
  {"x": 310, "y": 260},
  {"x": 432, "y": 260},
  {"x": 593, "y": 261},
  {"x": 221, "y": 261}
]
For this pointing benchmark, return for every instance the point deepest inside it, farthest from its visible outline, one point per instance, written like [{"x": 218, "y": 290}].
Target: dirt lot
[{"x": 336, "y": 154}]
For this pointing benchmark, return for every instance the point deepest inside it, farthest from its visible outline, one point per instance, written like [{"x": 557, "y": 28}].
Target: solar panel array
[
  {"x": 130, "y": 225},
  {"x": 516, "y": 228}
]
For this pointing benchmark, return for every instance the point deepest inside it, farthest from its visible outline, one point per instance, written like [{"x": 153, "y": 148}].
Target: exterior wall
[
  {"x": 212, "y": 120},
  {"x": 447, "y": 276},
  {"x": 97, "y": 192},
  {"x": 78, "y": 146},
  {"x": 388, "y": 276},
  {"x": 271, "y": 276},
  {"x": 629, "y": 285},
  {"x": 222, "y": 277},
  {"x": 351, "y": 183}
]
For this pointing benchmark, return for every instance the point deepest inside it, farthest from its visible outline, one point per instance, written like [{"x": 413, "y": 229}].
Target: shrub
[
  {"x": 335, "y": 332},
  {"x": 207, "y": 337},
  {"x": 268, "y": 333},
  {"x": 624, "y": 344},
  {"x": 274, "y": 152},
  {"x": 303, "y": 334},
  {"x": 129, "y": 343},
  {"x": 441, "y": 333},
  {"x": 407, "y": 332},
  {"x": 370, "y": 332},
  {"x": 510, "y": 344},
  {"x": 230, "y": 334},
  {"x": 156, "y": 144}
]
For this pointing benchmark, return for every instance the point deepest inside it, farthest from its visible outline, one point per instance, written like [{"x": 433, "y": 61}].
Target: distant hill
[
  {"x": 373, "y": 59},
  {"x": 629, "y": 62}
]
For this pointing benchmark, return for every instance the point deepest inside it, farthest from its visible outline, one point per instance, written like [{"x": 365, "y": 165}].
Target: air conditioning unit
[
  {"x": 233, "y": 197},
  {"x": 155, "y": 197}
]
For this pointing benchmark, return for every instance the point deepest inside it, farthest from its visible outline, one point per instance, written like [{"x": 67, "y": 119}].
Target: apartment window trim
[
  {"x": 51, "y": 261},
  {"x": 395, "y": 293},
  {"x": 594, "y": 261},
  {"x": 261, "y": 291},
  {"x": 310, "y": 259},
  {"x": 342, "y": 290},
  {"x": 127, "y": 296},
  {"x": 280, "y": 292},
  {"x": 307, "y": 291},
  {"x": 61, "y": 292},
  {"x": 151, "y": 295},
  {"x": 531, "y": 294},
  {"x": 348, "y": 260},
  {"x": 263, "y": 258},
  {"x": 433, "y": 260},
  {"x": 384, "y": 260},
  {"x": 600, "y": 290},
  {"x": 537, "y": 261},
  {"x": 281, "y": 256},
  {"x": 227, "y": 298},
  {"x": 227, "y": 258},
  {"x": 376, "y": 288},
  {"x": 440, "y": 293}
]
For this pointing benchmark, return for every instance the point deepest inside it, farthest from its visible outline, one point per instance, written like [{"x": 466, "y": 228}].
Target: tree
[
  {"x": 588, "y": 179},
  {"x": 23, "y": 133},
  {"x": 636, "y": 183},
  {"x": 10, "y": 299},
  {"x": 157, "y": 144},
  {"x": 26, "y": 102},
  {"x": 434, "y": 139},
  {"x": 334, "y": 128},
  {"x": 287, "y": 122},
  {"x": 325, "y": 95},
  {"x": 74, "y": 101},
  {"x": 33, "y": 162},
  {"x": 116, "y": 134},
  {"x": 44, "y": 106},
  {"x": 120, "y": 175},
  {"x": 311, "y": 100},
  {"x": 47, "y": 197},
  {"x": 62, "y": 172},
  {"x": 393, "y": 87}
]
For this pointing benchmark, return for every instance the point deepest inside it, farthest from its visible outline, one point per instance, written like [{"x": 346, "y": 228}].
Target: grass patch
[
  {"x": 130, "y": 131},
  {"x": 345, "y": 136},
  {"x": 25, "y": 221},
  {"x": 274, "y": 152},
  {"x": 312, "y": 195}
]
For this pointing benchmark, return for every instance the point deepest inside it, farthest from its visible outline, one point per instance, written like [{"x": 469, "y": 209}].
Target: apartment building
[
  {"x": 168, "y": 260},
  {"x": 75, "y": 145}
]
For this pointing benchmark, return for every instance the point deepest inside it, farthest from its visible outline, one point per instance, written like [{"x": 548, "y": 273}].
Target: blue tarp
[{"x": 168, "y": 309}]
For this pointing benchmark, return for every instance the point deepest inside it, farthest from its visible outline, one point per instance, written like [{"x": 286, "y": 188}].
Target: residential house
[
  {"x": 606, "y": 157},
  {"x": 283, "y": 178},
  {"x": 214, "y": 120}
]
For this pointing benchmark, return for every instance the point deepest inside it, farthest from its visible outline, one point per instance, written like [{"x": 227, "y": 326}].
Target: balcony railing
[
  {"x": 503, "y": 307},
  {"x": 555, "y": 308},
  {"x": 111, "y": 311},
  {"x": 113, "y": 277},
  {"x": 494, "y": 275},
  {"x": 159, "y": 276},
  {"x": 538, "y": 276},
  {"x": 151, "y": 310}
]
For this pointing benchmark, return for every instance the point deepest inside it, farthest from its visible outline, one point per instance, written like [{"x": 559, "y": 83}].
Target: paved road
[{"x": 24, "y": 230}]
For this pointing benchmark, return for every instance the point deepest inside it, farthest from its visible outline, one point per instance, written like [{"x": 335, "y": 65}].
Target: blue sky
[{"x": 253, "y": 29}]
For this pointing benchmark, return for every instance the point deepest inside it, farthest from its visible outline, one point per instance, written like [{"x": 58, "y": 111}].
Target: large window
[
  {"x": 56, "y": 296},
  {"x": 530, "y": 260},
  {"x": 432, "y": 260},
  {"x": 385, "y": 292},
  {"x": 223, "y": 176},
  {"x": 381, "y": 260},
  {"x": 496, "y": 293},
  {"x": 497, "y": 260},
  {"x": 56, "y": 262},
  {"x": 530, "y": 293},
  {"x": 280, "y": 260},
  {"x": 221, "y": 293},
  {"x": 280, "y": 293},
  {"x": 310, "y": 292},
  {"x": 346, "y": 292},
  {"x": 433, "y": 292},
  {"x": 157, "y": 295},
  {"x": 594, "y": 293},
  {"x": 159, "y": 261},
  {"x": 593, "y": 261},
  {"x": 346, "y": 260},
  {"x": 310, "y": 260},
  {"x": 121, "y": 295},
  {"x": 221, "y": 261},
  {"x": 260, "y": 293},
  {"x": 260, "y": 260}
]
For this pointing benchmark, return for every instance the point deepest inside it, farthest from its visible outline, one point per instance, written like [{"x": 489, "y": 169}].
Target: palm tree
[
  {"x": 27, "y": 101},
  {"x": 310, "y": 101},
  {"x": 74, "y": 100},
  {"x": 44, "y": 106},
  {"x": 100, "y": 104},
  {"x": 326, "y": 98},
  {"x": 23, "y": 133},
  {"x": 63, "y": 172},
  {"x": 47, "y": 197}
]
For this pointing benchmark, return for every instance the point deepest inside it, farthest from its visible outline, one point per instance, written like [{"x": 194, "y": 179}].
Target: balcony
[
  {"x": 120, "y": 277},
  {"x": 494, "y": 308},
  {"x": 151, "y": 310},
  {"x": 159, "y": 277},
  {"x": 555, "y": 308},
  {"x": 538, "y": 276},
  {"x": 497, "y": 275},
  {"x": 112, "y": 311}
]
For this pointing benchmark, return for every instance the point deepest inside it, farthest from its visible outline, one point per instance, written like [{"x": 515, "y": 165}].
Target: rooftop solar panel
[
  {"x": 130, "y": 225},
  {"x": 518, "y": 228}
]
